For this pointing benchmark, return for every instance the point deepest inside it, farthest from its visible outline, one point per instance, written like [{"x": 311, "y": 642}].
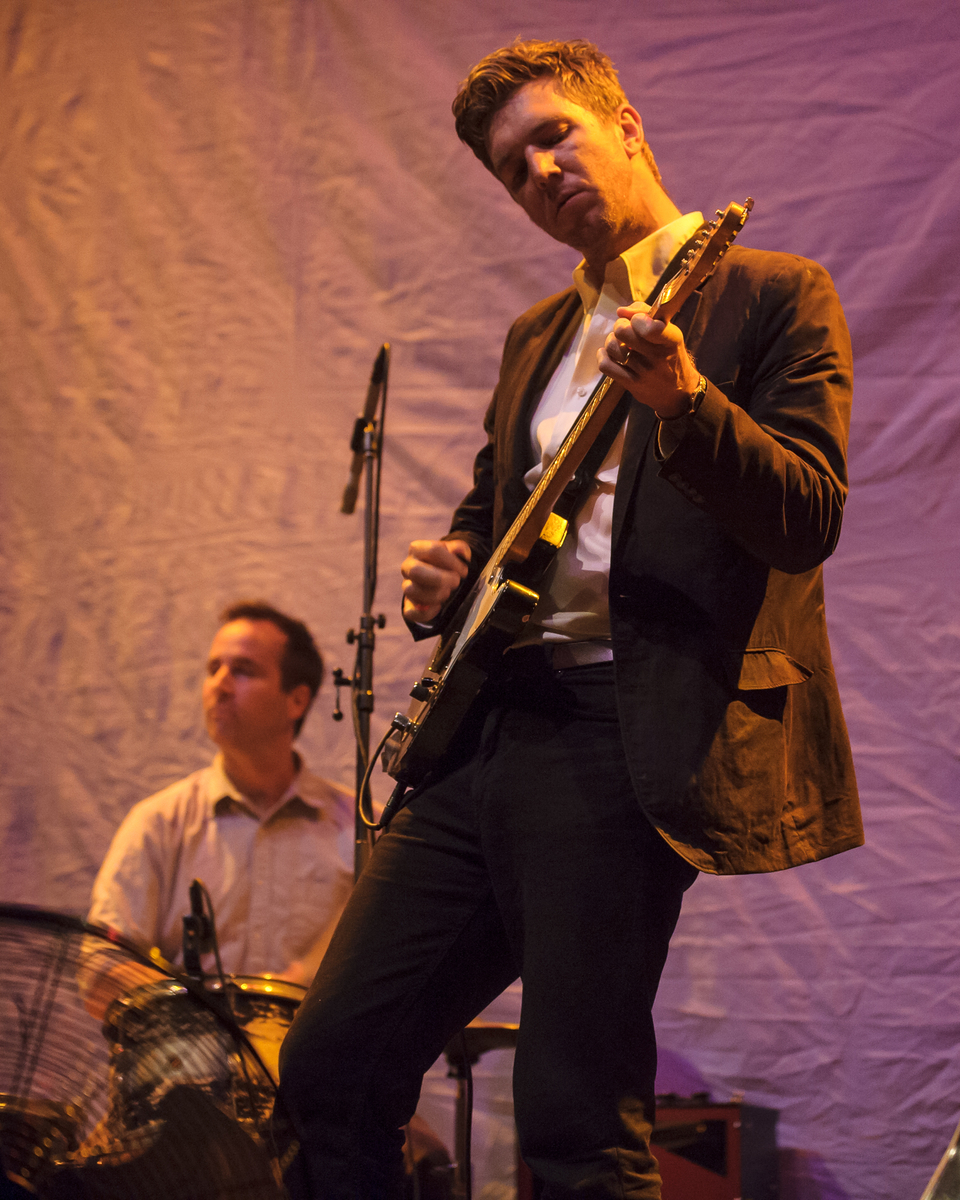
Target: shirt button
[{"x": 581, "y": 391}]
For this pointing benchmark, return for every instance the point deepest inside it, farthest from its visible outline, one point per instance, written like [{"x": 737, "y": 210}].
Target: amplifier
[
  {"x": 705, "y": 1151},
  {"x": 716, "y": 1151}
]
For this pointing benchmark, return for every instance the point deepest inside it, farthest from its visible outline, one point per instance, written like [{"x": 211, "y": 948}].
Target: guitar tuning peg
[{"x": 719, "y": 212}]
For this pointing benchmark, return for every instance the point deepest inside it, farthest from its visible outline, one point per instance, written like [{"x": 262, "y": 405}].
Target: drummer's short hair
[
  {"x": 301, "y": 661},
  {"x": 580, "y": 70}
]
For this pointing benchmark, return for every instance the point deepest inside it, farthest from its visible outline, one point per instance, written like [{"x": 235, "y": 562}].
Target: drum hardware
[{"x": 462, "y": 1053}]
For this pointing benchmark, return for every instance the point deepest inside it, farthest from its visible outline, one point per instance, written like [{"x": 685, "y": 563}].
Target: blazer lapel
[
  {"x": 520, "y": 390},
  {"x": 546, "y": 350},
  {"x": 641, "y": 424}
]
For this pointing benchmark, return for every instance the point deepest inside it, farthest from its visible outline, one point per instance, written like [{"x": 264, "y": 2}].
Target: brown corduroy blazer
[{"x": 728, "y": 704}]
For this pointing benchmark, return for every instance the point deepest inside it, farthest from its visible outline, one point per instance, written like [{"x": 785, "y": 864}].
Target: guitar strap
[{"x": 576, "y": 489}]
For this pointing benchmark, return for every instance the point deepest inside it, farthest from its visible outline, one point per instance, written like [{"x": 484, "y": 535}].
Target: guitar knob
[{"x": 422, "y": 690}]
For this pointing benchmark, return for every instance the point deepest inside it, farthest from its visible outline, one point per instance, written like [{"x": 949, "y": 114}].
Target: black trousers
[{"x": 529, "y": 856}]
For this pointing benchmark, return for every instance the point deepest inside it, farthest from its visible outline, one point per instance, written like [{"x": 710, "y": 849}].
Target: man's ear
[
  {"x": 630, "y": 124},
  {"x": 298, "y": 701}
]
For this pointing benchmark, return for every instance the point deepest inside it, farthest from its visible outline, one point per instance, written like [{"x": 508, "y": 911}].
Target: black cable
[
  {"x": 362, "y": 750},
  {"x": 364, "y": 808}
]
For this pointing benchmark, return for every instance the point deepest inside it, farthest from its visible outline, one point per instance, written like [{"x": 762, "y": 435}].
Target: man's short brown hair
[
  {"x": 300, "y": 662},
  {"x": 582, "y": 72}
]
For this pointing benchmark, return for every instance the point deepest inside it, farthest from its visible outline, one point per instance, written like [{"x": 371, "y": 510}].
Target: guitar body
[
  {"x": 487, "y": 622},
  {"x": 502, "y": 600}
]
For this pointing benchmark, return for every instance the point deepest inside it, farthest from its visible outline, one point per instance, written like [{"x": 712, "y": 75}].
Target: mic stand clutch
[
  {"x": 197, "y": 933},
  {"x": 367, "y": 445}
]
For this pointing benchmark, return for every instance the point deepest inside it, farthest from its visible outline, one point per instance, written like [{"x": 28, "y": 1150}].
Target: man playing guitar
[{"x": 669, "y": 704}]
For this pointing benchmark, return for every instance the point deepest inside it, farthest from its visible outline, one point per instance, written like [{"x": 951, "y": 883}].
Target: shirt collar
[
  {"x": 221, "y": 787},
  {"x": 633, "y": 274}
]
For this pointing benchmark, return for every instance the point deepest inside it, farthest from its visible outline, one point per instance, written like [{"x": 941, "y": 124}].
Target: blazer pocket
[{"x": 769, "y": 668}]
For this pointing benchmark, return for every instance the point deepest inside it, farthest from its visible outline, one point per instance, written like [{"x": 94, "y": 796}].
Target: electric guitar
[{"x": 503, "y": 597}]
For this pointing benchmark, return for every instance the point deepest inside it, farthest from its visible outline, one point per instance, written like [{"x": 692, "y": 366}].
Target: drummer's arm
[{"x": 127, "y": 896}]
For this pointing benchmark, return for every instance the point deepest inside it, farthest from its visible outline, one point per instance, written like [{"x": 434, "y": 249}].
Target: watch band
[{"x": 695, "y": 400}]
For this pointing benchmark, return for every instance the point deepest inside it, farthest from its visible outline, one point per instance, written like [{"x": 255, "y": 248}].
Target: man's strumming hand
[{"x": 432, "y": 572}]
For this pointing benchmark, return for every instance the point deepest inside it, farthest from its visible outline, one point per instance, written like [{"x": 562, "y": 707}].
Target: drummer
[{"x": 271, "y": 841}]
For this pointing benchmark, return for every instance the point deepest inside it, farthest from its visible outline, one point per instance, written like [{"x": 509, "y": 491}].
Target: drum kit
[{"x": 166, "y": 1092}]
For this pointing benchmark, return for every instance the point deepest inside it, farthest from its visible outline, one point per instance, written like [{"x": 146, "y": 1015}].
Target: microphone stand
[{"x": 367, "y": 445}]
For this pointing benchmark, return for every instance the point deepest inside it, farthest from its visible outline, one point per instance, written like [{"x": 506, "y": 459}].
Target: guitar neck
[{"x": 522, "y": 535}]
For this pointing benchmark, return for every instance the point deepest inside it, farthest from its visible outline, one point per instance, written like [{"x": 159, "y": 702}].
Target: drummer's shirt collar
[{"x": 224, "y": 796}]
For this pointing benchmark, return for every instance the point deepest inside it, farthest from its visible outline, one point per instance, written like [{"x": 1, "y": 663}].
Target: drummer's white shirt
[{"x": 278, "y": 885}]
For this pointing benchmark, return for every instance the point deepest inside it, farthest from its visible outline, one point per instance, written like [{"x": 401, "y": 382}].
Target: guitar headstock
[{"x": 701, "y": 259}]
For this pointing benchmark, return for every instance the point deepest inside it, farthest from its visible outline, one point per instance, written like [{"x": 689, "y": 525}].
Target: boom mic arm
[{"x": 350, "y": 492}]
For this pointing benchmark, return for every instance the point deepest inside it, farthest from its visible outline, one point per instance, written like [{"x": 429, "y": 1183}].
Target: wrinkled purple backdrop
[{"x": 212, "y": 212}]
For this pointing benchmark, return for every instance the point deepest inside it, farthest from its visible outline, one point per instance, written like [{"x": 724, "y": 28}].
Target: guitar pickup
[
  {"x": 422, "y": 690},
  {"x": 554, "y": 531}
]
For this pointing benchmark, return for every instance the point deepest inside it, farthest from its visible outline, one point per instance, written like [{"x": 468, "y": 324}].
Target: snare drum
[{"x": 162, "y": 1036}]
